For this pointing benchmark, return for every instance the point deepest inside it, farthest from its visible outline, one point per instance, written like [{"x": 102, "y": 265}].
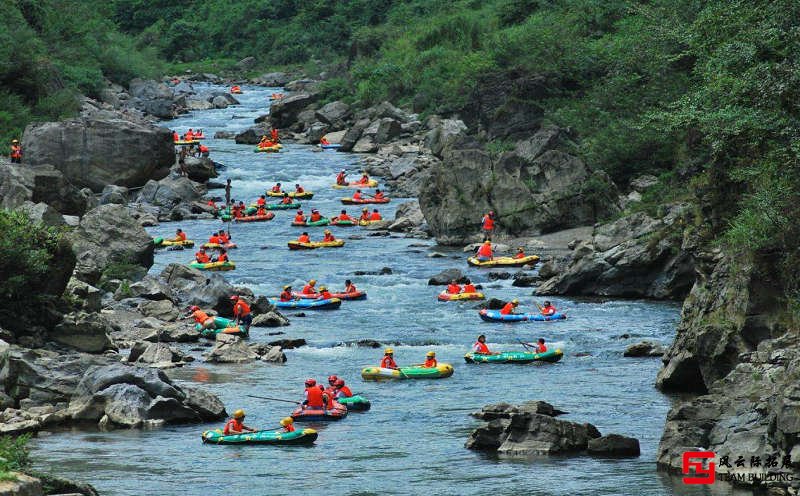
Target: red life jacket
[
  {"x": 507, "y": 309},
  {"x": 375, "y": 216},
  {"x": 388, "y": 363},
  {"x": 286, "y": 296},
  {"x": 488, "y": 223},
  {"x": 234, "y": 426},
  {"x": 485, "y": 250},
  {"x": 480, "y": 348},
  {"x": 314, "y": 397}
]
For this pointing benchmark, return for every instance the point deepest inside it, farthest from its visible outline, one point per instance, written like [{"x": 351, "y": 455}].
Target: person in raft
[
  {"x": 241, "y": 310},
  {"x": 201, "y": 317},
  {"x": 388, "y": 359},
  {"x": 324, "y": 294},
  {"x": 315, "y": 215},
  {"x": 453, "y": 287},
  {"x": 262, "y": 200},
  {"x": 223, "y": 237},
  {"x": 357, "y": 195},
  {"x": 298, "y": 189},
  {"x": 324, "y": 141},
  {"x": 469, "y": 287},
  {"x": 288, "y": 424},
  {"x": 538, "y": 346},
  {"x": 286, "y": 200},
  {"x": 364, "y": 214},
  {"x": 315, "y": 398},
  {"x": 342, "y": 391},
  {"x": 487, "y": 226},
  {"x": 299, "y": 218},
  {"x": 430, "y": 360},
  {"x": 276, "y": 188},
  {"x": 308, "y": 289},
  {"x": 261, "y": 211},
  {"x": 485, "y": 251},
  {"x": 223, "y": 256},
  {"x": 303, "y": 238},
  {"x": 286, "y": 294},
  {"x": 480, "y": 347},
  {"x": 364, "y": 178},
  {"x": 349, "y": 287},
  {"x": 329, "y": 237},
  {"x": 331, "y": 389},
  {"x": 520, "y": 253},
  {"x": 180, "y": 236},
  {"x": 201, "y": 256},
  {"x": 508, "y": 308},
  {"x": 378, "y": 195},
  {"x": 344, "y": 217},
  {"x": 341, "y": 178},
  {"x": 547, "y": 309},
  {"x": 236, "y": 424},
  {"x": 375, "y": 215}
]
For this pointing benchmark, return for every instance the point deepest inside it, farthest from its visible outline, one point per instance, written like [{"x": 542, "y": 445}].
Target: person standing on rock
[
  {"x": 487, "y": 225},
  {"x": 16, "y": 152},
  {"x": 182, "y": 162},
  {"x": 228, "y": 192},
  {"x": 241, "y": 310}
]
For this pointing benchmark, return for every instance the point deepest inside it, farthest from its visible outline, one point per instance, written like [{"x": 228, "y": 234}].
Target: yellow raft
[
  {"x": 183, "y": 142},
  {"x": 213, "y": 266},
  {"x": 372, "y": 183},
  {"x": 297, "y": 245},
  {"x": 161, "y": 242},
  {"x": 503, "y": 261},
  {"x": 307, "y": 195},
  {"x": 445, "y": 296}
]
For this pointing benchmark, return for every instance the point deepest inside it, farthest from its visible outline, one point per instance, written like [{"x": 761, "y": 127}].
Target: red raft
[
  {"x": 364, "y": 201},
  {"x": 356, "y": 295},
  {"x": 308, "y": 414},
  {"x": 255, "y": 218}
]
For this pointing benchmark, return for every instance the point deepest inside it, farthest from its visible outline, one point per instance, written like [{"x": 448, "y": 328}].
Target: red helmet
[
  {"x": 311, "y": 382},
  {"x": 234, "y": 297},
  {"x": 194, "y": 308},
  {"x": 339, "y": 382},
  {"x": 332, "y": 379},
  {"x": 321, "y": 387}
]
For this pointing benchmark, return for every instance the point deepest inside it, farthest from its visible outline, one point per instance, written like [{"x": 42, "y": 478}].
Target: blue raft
[
  {"x": 496, "y": 316},
  {"x": 330, "y": 304}
]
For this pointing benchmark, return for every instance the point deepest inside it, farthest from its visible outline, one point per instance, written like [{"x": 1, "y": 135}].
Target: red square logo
[{"x": 693, "y": 462}]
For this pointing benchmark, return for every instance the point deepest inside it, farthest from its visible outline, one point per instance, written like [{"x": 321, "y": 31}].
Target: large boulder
[
  {"x": 110, "y": 242},
  {"x": 230, "y": 349},
  {"x": 40, "y": 184},
  {"x": 87, "y": 332},
  {"x": 333, "y": 113},
  {"x": 275, "y": 79},
  {"x": 152, "y": 97},
  {"x": 156, "y": 353},
  {"x": 388, "y": 130},
  {"x": 101, "y": 148},
  {"x": 444, "y": 277},
  {"x": 252, "y": 136},
  {"x": 614, "y": 445},
  {"x": 200, "y": 169},
  {"x": 533, "y": 190},
  {"x": 193, "y": 287},
  {"x": 270, "y": 319},
  {"x": 284, "y": 112},
  {"x": 635, "y": 256},
  {"x": 171, "y": 191},
  {"x": 443, "y": 134}
]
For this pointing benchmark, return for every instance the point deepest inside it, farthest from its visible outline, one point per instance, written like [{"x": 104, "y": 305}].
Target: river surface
[{"x": 412, "y": 441}]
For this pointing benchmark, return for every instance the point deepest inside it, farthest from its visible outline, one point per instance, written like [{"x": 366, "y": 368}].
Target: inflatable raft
[
  {"x": 255, "y": 218},
  {"x": 214, "y": 266},
  {"x": 160, "y": 242},
  {"x": 331, "y": 146},
  {"x": 551, "y": 356},
  {"x": 315, "y": 304},
  {"x": 364, "y": 201},
  {"x": 299, "y": 436},
  {"x": 317, "y": 223},
  {"x": 267, "y": 149},
  {"x": 297, "y": 245},
  {"x": 221, "y": 326},
  {"x": 337, "y": 412},
  {"x": 186, "y": 143},
  {"x": 414, "y": 372},
  {"x": 305, "y": 195},
  {"x": 356, "y": 295},
  {"x": 217, "y": 246},
  {"x": 355, "y": 403},
  {"x": 503, "y": 261},
  {"x": 496, "y": 316},
  {"x": 372, "y": 183},
  {"x": 342, "y": 223},
  {"x": 364, "y": 223},
  {"x": 282, "y": 206},
  {"x": 445, "y": 296}
]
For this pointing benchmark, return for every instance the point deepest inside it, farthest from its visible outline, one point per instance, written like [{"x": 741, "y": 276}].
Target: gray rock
[
  {"x": 88, "y": 332},
  {"x": 230, "y": 349},
  {"x": 644, "y": 349},
  {"x": 444, "y": 134},
  {"x": 152, "y": 97},
  {"x": 388, "y": 130},
  {"x": 201, "y": 169},
  {"x": 270, "y": 319},
  {"x": 288, "y": 344},
  {"x": 219, "y": 102},
  {"x": 114, "y": 194},
  {"x": 352, "y": 136},
  {"x": 549, "y": 269},
  {"x": 246, "y": 63},
  {"x": 160, "y": 309},
  {"x": 150, "y": 288},
  {"x": 443, "y": 278},
  {"x": 100, "y": 149},
  {"x": 40, "y": 184},
  {"x": 522, "y": 280},
  {"x": 284, "y": 112},
  {"x": 316, "y": 131},
  {"x": 275, "y": 79},
  {"x": 614, "y": 445},
  {"x": 171, "y": 191},
  {"x": 643, "y": 182},
  {"x": 333, "y": 113},
  {"x": 21, "y": 485},
  {"x": 177, "y": 333},
  {"x": 252, "y": 136},
  {"x": 41, "y": 213},
  {"x": 207, "y": 405},
  {"x": 144, "y": 352},
  {"x": 85, "y": 296},
  {"x": 365, "y": 144},
  {"x": 303, "y": 86}
]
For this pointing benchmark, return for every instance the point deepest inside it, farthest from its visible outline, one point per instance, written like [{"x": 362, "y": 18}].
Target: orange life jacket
[
  {"x": 388, "y": 362},
  {"x": 316, "y": 216},
  {"x": 201, "y": 257},
  {"x": 16, "y": 151},
  {"x": 485, "y": 251},
  {"x": 299, "y": 218},
  {"x": 314, "y": 397},
  {"x": 430, "y": 363},
  {"x": 469, "y": 288},
  {"x": 375, "y": 216},
  {"x": 507, "y": 309},
  {"x": 487, "y": 223},
  {"x": 453, "y": 288},
  {"x": 303, "y": 238},
  {"x": 241, "y": 309},
  {"x": 223, "y": 257},
  {"x": 309, "y": 289},
  {"x": 479, "y": 347}
]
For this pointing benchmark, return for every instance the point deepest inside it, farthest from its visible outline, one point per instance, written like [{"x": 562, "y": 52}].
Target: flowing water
[{"x": 412, "y": 441}]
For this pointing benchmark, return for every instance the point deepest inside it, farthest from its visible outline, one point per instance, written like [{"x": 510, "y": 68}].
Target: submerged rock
[
  {"x": 614, "y": 445},
  {"x": 644, "y": 349},
  {"x": 444, "y": 277}
]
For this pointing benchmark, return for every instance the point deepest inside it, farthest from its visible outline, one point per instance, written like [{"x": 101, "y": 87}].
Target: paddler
[
  {"x": 236, "y": 424},
  {"x": 329, "y": 237},
  {"x": 299, "y": 218},
  {"x": 341, "y": 178},
  {"x": 485, "y": 251},
  {"x": 480, "y": 347},
  {"x": 324, "y": 141},
  {"x": 364, "y": 214},
  {"x": 547, "y": 309},
  {"x": 241, "y": 310},
  {"x": 288, "y": 424},
  {"x": 469, "y": 287},
  {"x": 276, "y": 188},
  {"x": 315, "y": 215},
  {"x": 262, "y": 201},
  {"x": 388, "y": 359},
  {"x": 349, "y": 287},
  {"x": 331, "y": 389},
  {"x": 223, "y": 256},
  {"x": 201, "y": 256},
  {"x": 487, "y": 225},
  {"x": 314, "y": 396},
  {"x": 308, "y": 289},
  {"x": 223, "y": 237},
  {"x": 189, "y": 136},
  {"x": 378, "y": 195},
  {"x": 364, "y": 178},
  {"x": 520, "y": 253},
  {"x": 508, "y": 308},
  {"x": 430, "y": 360},
  {"x": 298, "y": 189},
  {"x": 342, "y": 391},
  {"x": 344, "y": 217},
  {"x": 357, "y": 195},
  {"x": 261, "y": 211},
  {"x": 324, "y": 294},
  {"x": 214, "y": 239},
  {"x": 453, "y": 287},
  {"x": 286, "y": 200},
  {"x": 303, "y": 238},
  {"x": 375, "y": 215},
  {"x": 180, "y": 236},
  {"x": 286, "y": 294},
  {"x": 202, "y": 318}
]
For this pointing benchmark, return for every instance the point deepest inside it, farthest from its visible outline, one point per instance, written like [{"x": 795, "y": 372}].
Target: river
[{"x": 412, "y": 441}]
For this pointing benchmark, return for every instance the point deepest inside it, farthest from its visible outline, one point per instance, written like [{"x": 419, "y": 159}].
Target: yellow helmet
[
  {"x": 238, "y": 414},
  {"x": 312, "y": 282},
  {"x": 323, "y": 288},
  {"x": 487, "y": 242},
  {"x": 515, "y": 301},
  {"x": 365, "y": 209},
  {"x": 430, "y": 354},
  {"x": 286, "y": 287},
  {"x": 327, "y": 231},
  {"x": 287, "y": 421},
  {"x": 388, "y": 351}
]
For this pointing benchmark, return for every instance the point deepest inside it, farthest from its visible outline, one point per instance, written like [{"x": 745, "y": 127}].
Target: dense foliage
[
  {"x": 51, "y": 50},
  {"x": 14, "y": 455}
]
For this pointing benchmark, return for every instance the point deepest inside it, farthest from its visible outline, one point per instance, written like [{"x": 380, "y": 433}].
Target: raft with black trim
[
  {"x": 445, "y": 296},
  {"x": 213, "y": 266},
  {"x": 441, "y": 371},
  {"x": 342, "y": 223},
  {"x": 372, "y": 183},
  {"x": 355, "y": 403},
  {"x": 355, "y": 295},
  {"x": 305, "y": 195},
  {"x": 364, "y": 201},
  {"x": 496, "y": 316},
  {"x": 315, "y": 304},
  {"x": 330, "y": 146},
  {"x": 299, "y": 436},
  {"x": 221, "y": 326},
  {"x": 255, "y": 218},
  {"x": 310, "y": 414},
  {"x": 550, "y": 356},
  {"x": 160, "y": 242},
  {"x": 217, "y": 246},
  {"x": 503, "y": 261},
  {"x": 297, "y": 245},
  {"x": 317, "y": 223}
]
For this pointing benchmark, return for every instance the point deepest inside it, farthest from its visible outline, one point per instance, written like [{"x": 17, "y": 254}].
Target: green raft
[
  {"x": 300, "y": 436},
  {"x": 221, "y": 325},
  {"x": 281, "y": 206},
  {"x": 515, "y": 357},
  {"x": 355, "y": 403}
]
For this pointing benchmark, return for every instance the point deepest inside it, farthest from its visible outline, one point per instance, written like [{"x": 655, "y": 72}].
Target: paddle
[
  {"x": 526, "y": 345},
  {"x": 272, "y": 399}
]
